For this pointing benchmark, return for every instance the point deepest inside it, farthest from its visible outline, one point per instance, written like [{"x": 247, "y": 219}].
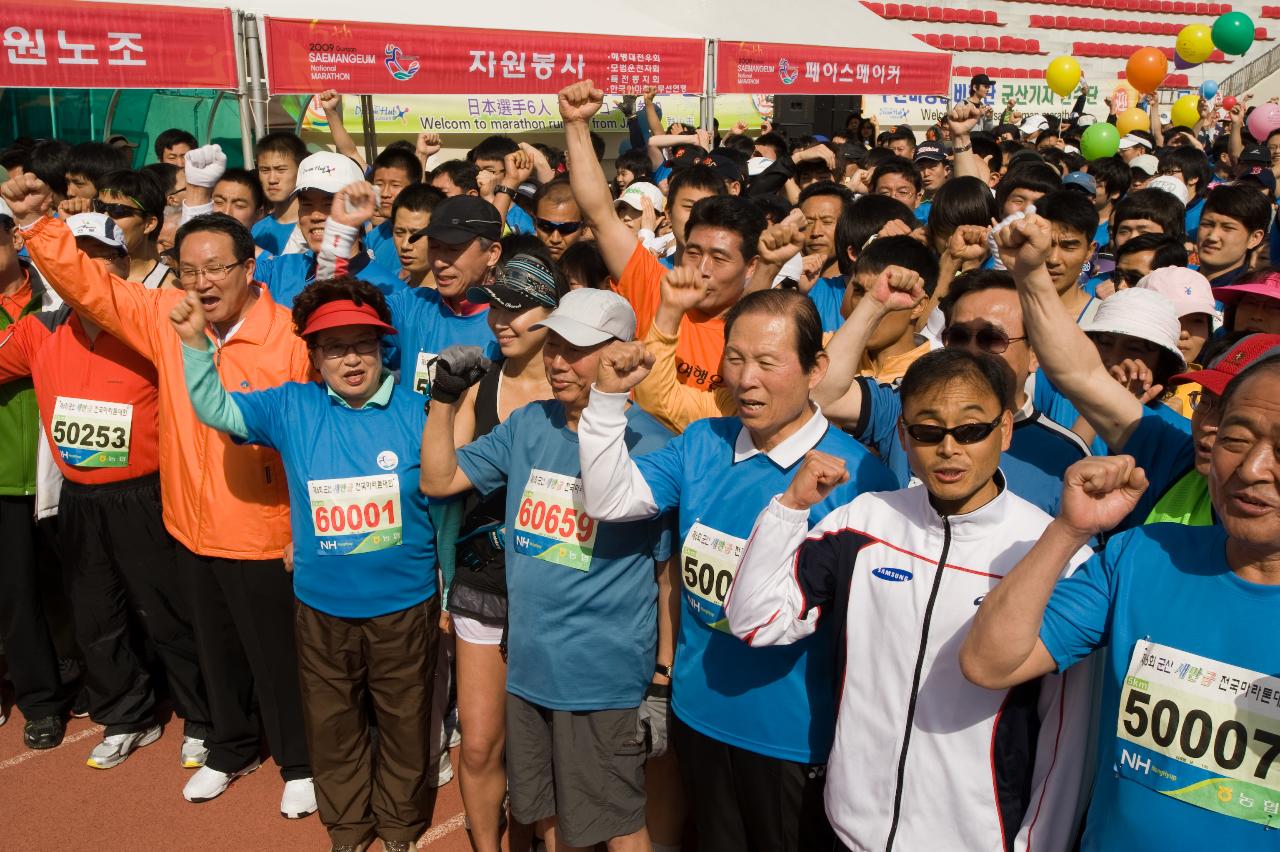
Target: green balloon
[
  {"x": 1233, "y": 33},
  {"x": 1100, "y": 141}
]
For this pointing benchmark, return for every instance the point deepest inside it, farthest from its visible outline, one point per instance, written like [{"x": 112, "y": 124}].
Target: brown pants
[{"x": 348, "y": 666}]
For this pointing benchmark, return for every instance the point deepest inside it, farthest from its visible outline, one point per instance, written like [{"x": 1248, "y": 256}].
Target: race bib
[
  {"x": 709, "y": 561},
  {"x": 1204, "y": 732},
  {"x": 92, "y": 434},
  {"x": 552, "y": 523},
  {"x": 423, "y": 372},
  {"x": 358, "y": 514}
]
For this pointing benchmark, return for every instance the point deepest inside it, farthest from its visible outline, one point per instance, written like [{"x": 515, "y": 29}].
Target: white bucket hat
[
  {"x": 1171, "y": 185},
  {"x": 1140, "y": 313}
]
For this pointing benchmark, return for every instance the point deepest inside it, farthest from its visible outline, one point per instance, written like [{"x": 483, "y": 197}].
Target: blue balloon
[{"x": 1208, "y": 89}]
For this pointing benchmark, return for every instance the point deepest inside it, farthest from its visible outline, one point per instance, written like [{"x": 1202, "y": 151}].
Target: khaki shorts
[{"x": 586, "y": 768}]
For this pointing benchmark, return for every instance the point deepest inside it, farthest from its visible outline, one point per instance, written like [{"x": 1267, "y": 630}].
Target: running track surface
[{"x": 52, "y": 800}]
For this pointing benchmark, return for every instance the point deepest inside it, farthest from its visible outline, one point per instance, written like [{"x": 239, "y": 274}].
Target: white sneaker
[
  {"x": 113, "y": 750},
  {"x": 208, "y": 784},
  {"x": 444, "y": 770},
  {"x": 194, "y": 754},
  {"x": 299, "y": 798}
]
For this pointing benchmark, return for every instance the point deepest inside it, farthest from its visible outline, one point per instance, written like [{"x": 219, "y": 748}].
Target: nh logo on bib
[{"x": 893, "y": 575}]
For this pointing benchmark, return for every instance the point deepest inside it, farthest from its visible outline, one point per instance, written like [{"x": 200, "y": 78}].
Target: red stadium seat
[
  {"x": 990, "y": 44},
  {"x": 934, "y": 13},
  {"x": 989, "y": 17}
]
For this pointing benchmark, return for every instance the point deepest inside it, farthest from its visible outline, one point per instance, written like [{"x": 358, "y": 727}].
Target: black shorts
[{"x": 585, "y": 768}]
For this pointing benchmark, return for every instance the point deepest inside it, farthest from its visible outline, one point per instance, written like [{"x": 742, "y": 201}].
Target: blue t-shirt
[
  {"x": 363, "y": 544},
  {"x": 272, "y": 235},
  {"x": 426, "y": 326},
  {"x": 668, "y": 260},
  {"x": 1048, "y": 399},
  {"x": 827, "y": 294},
  {"x": 1164, "y": 450},
  {"x": 1194, "y": 210},
  {"x": 1102, "y": 236},
  {"x": 582, "y": 599},
  {"x": 518, "y": 221},
  {"x": 1170, "y": 585},
  {"x": 287, "y": 275},
  {"x": 379, "y": 242},
  {"x": 1039, "y": 452},
  {"x": 777, "y": 701},
  {"x": 923, "y": 210}
]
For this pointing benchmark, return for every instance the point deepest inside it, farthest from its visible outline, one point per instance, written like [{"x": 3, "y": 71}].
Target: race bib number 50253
[
  {"x": 1204, "y": 732},
  {"x": 357, "y": 514},
  {"x": 89, "y": 433}
]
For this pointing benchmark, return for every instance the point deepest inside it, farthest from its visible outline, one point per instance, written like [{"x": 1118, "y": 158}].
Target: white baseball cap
[
  {"x": 633, "y": 196},
  {"x": 1171, "y": 185},
  {"x": 587, "y": 317},
  {"x": 100, "y": 227},
  {"x": 1147, "y": 163},
  {"x": 1130, "y": 140},
  {"x": 328, "y": 172},
  {"x": 1034, "y": 124},
  {"x": 1141, "y": 313}
]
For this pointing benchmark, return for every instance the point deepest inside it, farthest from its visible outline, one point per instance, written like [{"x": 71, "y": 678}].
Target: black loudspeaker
[{"x": 823, "y": 115}]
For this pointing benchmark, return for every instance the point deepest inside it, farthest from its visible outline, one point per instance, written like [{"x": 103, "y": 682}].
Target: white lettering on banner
[
  {"x": 23, "y": 48},
  {"x": 125, "y": 44},
  {"x": 79, "y": 51},
  {"x": 513, "y": 64}
]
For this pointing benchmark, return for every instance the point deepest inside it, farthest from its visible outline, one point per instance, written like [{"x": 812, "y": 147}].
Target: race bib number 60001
[
  {"x": 552, "y": 522},
  {"x": 358, "y": 514},
  {"x": 1204, "y": 732},
  {"x": 90, "y": 433},
  {"x": 709, "y": 561}
]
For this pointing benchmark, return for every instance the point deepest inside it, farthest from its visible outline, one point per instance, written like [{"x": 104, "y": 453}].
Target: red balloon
[
  {"x": 1146, "y": 69},
  {"x": 1229, "y": 101}
]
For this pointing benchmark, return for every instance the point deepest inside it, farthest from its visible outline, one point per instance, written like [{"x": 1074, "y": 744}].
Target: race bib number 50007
[
  {"x": 1204, "y": 732},
  {"x": 90, "y": 433},
  {"x": 708, "y": 563},
  {"x": 552, "y": 522},
  {"x": 358, "y": 514}
]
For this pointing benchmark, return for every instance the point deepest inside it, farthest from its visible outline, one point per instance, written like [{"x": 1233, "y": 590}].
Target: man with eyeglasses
[
  {"x": 557, "y": 219},
  {"x": 898, "y": 576},
  {"x": 982, "y": 314},
  {"x": 226, "y": 505}
]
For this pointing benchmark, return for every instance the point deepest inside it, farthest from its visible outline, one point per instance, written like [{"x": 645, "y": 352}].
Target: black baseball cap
[
  {"x": 981, "y": 80},
  {"x": 521, "y": 283},
  {"x": 931, "y": 151},
  {"x": 1255, "y": 154},
  {"x": 461, "y": 219}
]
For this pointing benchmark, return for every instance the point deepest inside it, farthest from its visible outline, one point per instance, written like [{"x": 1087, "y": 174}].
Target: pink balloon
[{"x": 1263, "y": 120}]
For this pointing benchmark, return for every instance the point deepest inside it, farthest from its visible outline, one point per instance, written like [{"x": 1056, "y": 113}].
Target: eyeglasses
[
  {"x": 1128, "y": 277},
  {"x": 965, "y": 433},
  {"x": 117, "y": 211},
  {"x": 212, "y": 274},
  {"x": 1203, "y": 401},
  {"x": 988, "y": 338},
  {"x": 334, "y": 351},
  {"x": 564, "y": 229}
]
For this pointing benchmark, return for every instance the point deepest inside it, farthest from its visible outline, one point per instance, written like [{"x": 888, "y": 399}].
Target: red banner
[
  {"x": 756, "y": 68},
  {"x": 116, "y": 46},
  {"x": 305, "y": 57}
]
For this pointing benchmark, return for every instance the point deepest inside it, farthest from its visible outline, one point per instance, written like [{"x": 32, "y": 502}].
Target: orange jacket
[{"x": 220, "y": 499}]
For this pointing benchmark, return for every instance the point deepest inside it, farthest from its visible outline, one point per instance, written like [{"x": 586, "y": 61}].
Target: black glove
[
  {"x": 456, "y": 369},
  {"x": 652, "y": 719}
]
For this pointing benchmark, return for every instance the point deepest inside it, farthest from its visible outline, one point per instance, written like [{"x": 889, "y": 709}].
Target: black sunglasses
[
  {"x": 1130, "y": 277},
  {"x": 564, "y": 229},
  {"x": 116, "y": 211},
  {"x": 965, "y": 433},
  {"x": 987, "y": 337}
]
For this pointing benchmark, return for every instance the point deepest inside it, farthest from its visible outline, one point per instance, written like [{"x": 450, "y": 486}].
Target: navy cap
[
  {"x": 460, "y": 219},
  {"x": 1255, "y": 155},
  {"x": 931, "y": 151},
  {"x": 1082, "y": 181}
]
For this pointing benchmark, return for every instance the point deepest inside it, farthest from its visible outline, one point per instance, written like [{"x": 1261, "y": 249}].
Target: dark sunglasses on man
[
  {"x": 116, "y": 211},
  {"x": 1127, "y": 277},
  {"x": 564, "y": 229},
  {"x": 965, "y": 433},
  {"x": 986, "y": 337}
]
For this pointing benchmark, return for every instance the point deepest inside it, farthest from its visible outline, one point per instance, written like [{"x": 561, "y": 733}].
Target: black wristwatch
[
  {"x": 665, "y": 671},
  {"x": 506, "y": 190}
]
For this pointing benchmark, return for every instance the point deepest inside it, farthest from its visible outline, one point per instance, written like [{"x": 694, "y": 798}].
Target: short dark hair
[
  {"x": 1242, "y": 203},
  {"x": 827, "y": 188},
  {"x": 975, "y": 282},
  {"x": 1167, "y": 250},
  {"x": 942, "y": 366},
  {"x": 740, "y": 142},
  {"x": 462, "y": 173},
  {"x": 166, "y": 174},
  {"x": 987, "y": 148},
  {"x": 1114, "y": 172},
  {"x": 897, "y": 166},
  {"x": 1036, "y": 176},
  {"x": 583, "y": 261},
  {"x": 732, "y": 213},
  {"x": 282, "y": 142},
  {"x": 493, "y": 148},
  {"x": 1191, "y": 164},
  {"x": 961, "y": 201},
  {"x": 95, "y": 159},
  {"x": 398, "y": 158},
  {"x": 242, "y": 246},
  {"x": 327, "y": 290},
  {"x": 637, "y": 162},
  {"x": 47, "y": 160},
  {"x": 1070, "y": 209},
  {"x": 1154, "y": 205},
  {"x": 863, "y": 218},
  {"x": 774, "y": 141},
  {"x": 141, "y": 186},
  {"x": 695, "y": 177},
  {"x": 174, "y": 136},
  {"x": 418, "y": 198},
  {"x": 247, "y": 179},
  {"x": 16, "y": 154},
  {"x": 899, "y": 132},
  {"x": 904, "y": 251},
  {"x": 789, "y": 303}
]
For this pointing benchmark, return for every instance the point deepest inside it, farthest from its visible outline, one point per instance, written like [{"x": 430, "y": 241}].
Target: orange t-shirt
[{"x": 701, "y": 343}]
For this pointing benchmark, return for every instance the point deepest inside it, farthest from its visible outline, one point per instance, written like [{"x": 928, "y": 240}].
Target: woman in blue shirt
[{"x": 364, "y": 552}]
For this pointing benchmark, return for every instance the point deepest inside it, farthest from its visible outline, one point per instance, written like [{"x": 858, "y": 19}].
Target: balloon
[
  {"x": 1063, "y": 75},
  {"x": 1229, "y": 102},
  {"x": 1100, "y": 141},
  {"x": 1195, "y": 43},
  {"x": 1208, "y": 89},
  {"x": 1186, "y": 111},
  {"x": 1262, "y": 121},
  {"x": 1132, "y": 119},
  {"x": 1233, "y": 33},
  {"x": 1146, "y": 69},
  {"x": 1182, "y": 64}
]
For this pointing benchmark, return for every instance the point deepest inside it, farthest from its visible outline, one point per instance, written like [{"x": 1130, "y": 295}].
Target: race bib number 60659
[
  {"x": 552, "y": 522},
  {"x": 1204, "y": 732}
]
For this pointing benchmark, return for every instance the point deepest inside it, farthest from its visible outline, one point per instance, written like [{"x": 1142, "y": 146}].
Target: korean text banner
[
  {"x": 116, "y": 46},
  {"x": 759, "y": 68},
  {"x": 308, "y": 56}
]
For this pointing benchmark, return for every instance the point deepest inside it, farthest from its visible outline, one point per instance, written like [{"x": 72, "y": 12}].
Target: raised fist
[
  {"x": 819, "y": 474},
  {"x": 580, "y": 101},
  {"x": 623, "y": 365}
]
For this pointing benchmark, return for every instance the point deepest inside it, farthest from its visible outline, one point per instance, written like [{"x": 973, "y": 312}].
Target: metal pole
[
  {"x": 213, "y": 111},
  {"x": 709, "y": 88},
  {"x": 242, "y": 93},
  {"x": 258, "y": 96},
  {"x": 110, "y": 115},
  {"x": 370, "y": 131}
]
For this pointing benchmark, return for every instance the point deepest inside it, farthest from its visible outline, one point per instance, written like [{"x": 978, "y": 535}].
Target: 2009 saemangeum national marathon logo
[
  {"x": 787, "y": 73},
  {"x": 400, "y": 66}
]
